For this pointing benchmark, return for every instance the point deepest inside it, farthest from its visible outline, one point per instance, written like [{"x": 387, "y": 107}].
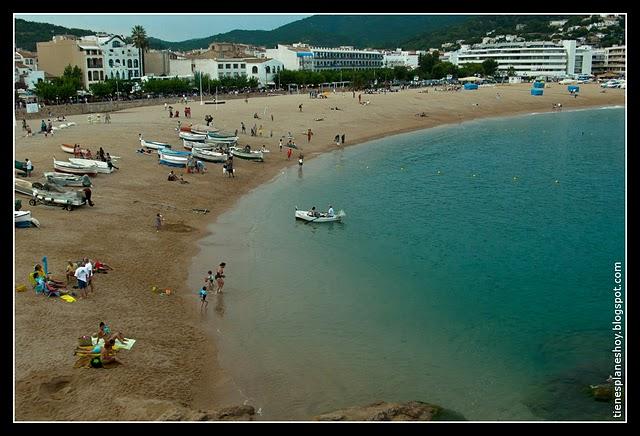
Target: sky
[{"x": 167, "y": 27}]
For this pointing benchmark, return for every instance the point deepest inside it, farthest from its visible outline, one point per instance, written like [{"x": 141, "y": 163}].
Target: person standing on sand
[
  {"x": 159, "y": 220},
  {"x": 87, "y": 194},
  {"x": 244, "y": 129},
  {"x": 280, "y": 144},
  {"x": 220, "y": 277},
  {"x": 271, "y": 118},
  {"x": 309, "y": 134},
  {"x": 360, "y": 98},
  {"x": 28, "y": 167},
  {"x": 300, "y": 107},
  {"x": 289, "y": 153},
  {"x": 343, "y": 139}
]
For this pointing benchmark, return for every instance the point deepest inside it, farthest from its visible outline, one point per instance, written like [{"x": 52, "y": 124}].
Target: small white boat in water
[{"x": 318, "y": 217}]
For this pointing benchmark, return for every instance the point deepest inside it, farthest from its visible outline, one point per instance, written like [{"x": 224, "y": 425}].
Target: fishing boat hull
[
  {"x": 200, "y": 129},
  {"x": 209, "y": 156},
  {"x": 101, "y": 167},
  {"x": 69, "y": 199},
  {"x": 257, "y": 156},
  {"x": 154, "y": 145},
  {"x": 68, "y": 167},
  {"x": 23, "y": 187},
  {"x": 22, "y": 218},
  {"x": 173, "y": 160},
  {"x": 304, "y": 215},
  {"x": 221, "y": 138},
  {"x": 63, "y": 179},
  {"x": 191, "y": 144},
  {"x": 189, "y": 136}
]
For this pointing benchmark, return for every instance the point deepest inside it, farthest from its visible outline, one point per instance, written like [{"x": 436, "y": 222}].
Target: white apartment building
[
  {"x": 400, "y": 58},
  {"x": 302, "y": 57},
  {"x": 529, "y": 58},
  {"x": 263, "y": 69},
  {"x": 121, "y": 60}
]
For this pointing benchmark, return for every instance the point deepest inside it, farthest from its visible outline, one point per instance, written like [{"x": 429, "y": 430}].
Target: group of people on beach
[{"x": 212, "y": 282}]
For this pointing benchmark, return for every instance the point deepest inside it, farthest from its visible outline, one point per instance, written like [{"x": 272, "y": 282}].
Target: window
[
  {"x": 254, "y": 69},
  {"x": 115, "y": 44},
  {"x": 110, "y": 63},
  {"x": 136, "y": 73},
  {"x": 135, "y": 63},
  {"x": 267, "y": 69},
  {"x": 129, "y": 63},
  {"x": 101, "y": 75},
  {"x": 88, "y": 76},
  {"x": 243, "y": 66},
  {"x": 228, "y": 66},
  {"x": 235, "y": 66}
]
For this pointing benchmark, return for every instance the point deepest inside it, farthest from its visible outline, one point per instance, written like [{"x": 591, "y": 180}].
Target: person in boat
[
  {"x": 247, "y": 148},
  {"x": 330, "y": 212},
  {"x": 313, "y": 212}
]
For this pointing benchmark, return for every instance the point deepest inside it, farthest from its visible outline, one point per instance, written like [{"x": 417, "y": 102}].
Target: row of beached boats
[
  {"x": 77, "y": 165},
  {"x": 52, "y": 190}
]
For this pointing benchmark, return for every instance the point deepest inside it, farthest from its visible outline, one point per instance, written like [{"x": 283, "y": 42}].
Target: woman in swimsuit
[
  {"x": 105, "y": 332},
  {"x": 220, "y": 277}
]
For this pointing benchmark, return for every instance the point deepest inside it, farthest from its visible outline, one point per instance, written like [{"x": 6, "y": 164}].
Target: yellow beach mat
[
  {"x": 68, "y": 298},
  {"x": 118, "y": 345}
]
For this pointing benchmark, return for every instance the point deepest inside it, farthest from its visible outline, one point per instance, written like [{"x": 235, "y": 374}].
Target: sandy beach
[{"x": 174, "y": 363}]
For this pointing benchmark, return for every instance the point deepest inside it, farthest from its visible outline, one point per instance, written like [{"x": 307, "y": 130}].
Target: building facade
[
  {"x": 63, "y": 50},
  {"x": 616, "y": 59},
  {"x": 100, "y": 57},
  {"x": 303, "y": 57},
  {"x": 263, "y": 69},
  {"x": 529, "y": 58},
  {"x": 400, "y": 58},
  {"x": 157, "y": 62}
]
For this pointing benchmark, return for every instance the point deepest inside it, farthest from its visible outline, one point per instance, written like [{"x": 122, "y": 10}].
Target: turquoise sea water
[{"x": 463, "y": 275}]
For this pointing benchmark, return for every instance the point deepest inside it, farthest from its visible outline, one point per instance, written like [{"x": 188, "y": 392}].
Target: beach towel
[
  {"x": 118, "y": 345},
  {"x": 68, "y": 298}
]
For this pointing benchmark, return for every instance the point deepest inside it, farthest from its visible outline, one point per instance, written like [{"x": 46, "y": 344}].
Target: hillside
[
  {"x": 325, "y": 30},
  {"x": 529, "y": 27},
  {"x": 28, "y": 33}
]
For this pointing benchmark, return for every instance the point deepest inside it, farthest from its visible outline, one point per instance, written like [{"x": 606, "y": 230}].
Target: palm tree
[{"x": 140, "y": 41}]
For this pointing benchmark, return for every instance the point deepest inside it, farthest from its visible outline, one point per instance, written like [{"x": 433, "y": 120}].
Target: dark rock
[
  {"x": 603, "y": 392},
  {"x": 383, "y": 411}
]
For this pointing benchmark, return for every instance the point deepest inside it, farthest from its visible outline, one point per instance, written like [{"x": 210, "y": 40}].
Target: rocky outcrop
[
  {"x": 234, "y": 413},
  {"x": 603, "y": 392},
  {"x": 383, "y": 411}
]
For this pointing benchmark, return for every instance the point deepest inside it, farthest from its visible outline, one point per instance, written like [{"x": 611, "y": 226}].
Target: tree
[
  {"x": 511, "y": 71},
  {"x": 490, "y": 67},
  {"x": 140, "y": 41}
]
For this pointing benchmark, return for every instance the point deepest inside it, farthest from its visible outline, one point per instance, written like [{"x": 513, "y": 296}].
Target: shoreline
[{"x": 170, "y": 331}]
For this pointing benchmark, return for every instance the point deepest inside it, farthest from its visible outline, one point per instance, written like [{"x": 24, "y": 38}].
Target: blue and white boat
[{"x": 173, "y": 158}]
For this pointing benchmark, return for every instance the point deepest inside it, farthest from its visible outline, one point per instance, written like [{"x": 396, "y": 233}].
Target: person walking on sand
[
  {"x": 360, "y": 98},
  {"x": 289, "y": 153},
  {"x": 81, "y": 275},
  {"x": 209, "y": 281},
  {"x": 220, "y": 277},
  {"x": 203, "y": 298},
  {"x": 280, "y": 144},
  {"x": 159, "y": 221},
  {"x": 87, "y": 194},
  {"x": 271, "y": 117},
  {"x": 343, "y": 139},
  {"x": 300, "y": 107},
  {"x": 244, "y": 129},
  {"x": 309, "y": 134},
  {"x": 300, "y": 159},
  {"x": 337, "y": 139}
]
